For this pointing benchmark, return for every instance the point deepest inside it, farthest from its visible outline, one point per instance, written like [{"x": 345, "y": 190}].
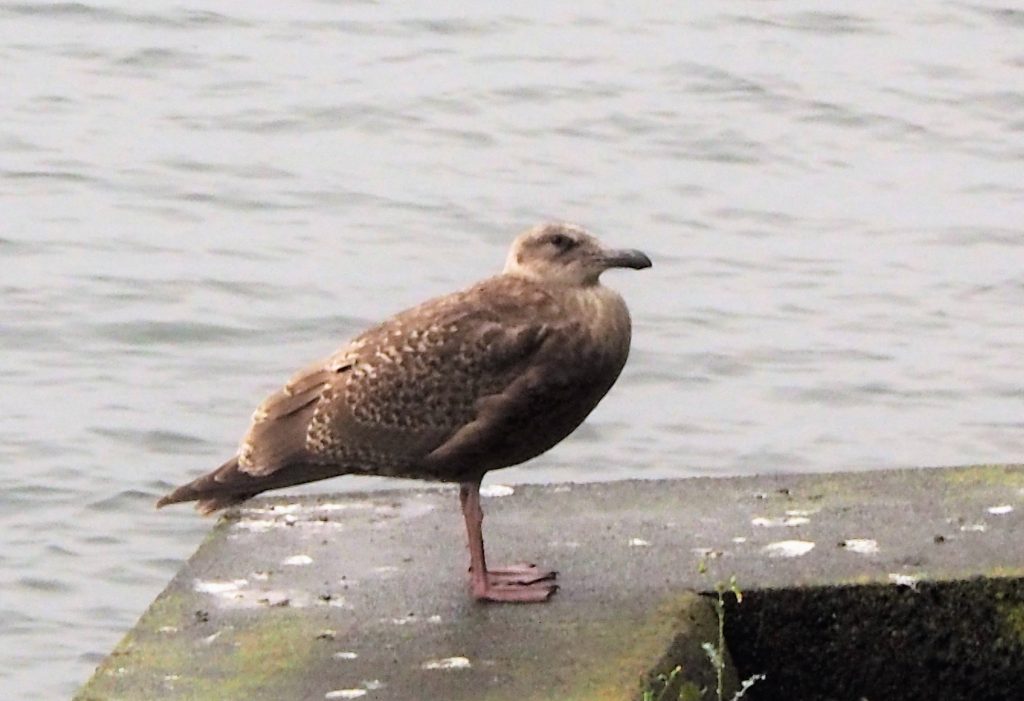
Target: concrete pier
[{"x": 879, "y": 585}]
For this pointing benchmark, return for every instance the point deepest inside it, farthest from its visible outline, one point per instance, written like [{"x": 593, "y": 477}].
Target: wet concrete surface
[{"x": 365, "y": 596}]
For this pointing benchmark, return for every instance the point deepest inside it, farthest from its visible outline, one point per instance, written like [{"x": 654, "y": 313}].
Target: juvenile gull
[{"x": 474, "y": 381}]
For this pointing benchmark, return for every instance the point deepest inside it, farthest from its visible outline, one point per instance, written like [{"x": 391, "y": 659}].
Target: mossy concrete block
[
  {"x": 365, "y": 596},
  {"x": 936, "y": 640},
  {"x": 282, "y": 652}
]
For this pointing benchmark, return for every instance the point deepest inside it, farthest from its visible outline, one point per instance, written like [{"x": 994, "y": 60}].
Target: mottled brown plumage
[{"x": 474, "y": 381}]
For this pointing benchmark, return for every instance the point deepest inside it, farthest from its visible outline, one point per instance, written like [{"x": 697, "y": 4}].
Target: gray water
[{"x": 198, "y": 198}]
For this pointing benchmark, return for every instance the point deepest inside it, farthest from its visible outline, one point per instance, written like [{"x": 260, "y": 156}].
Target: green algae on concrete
[
  {"x": 364, "y": 595},
  {"x": 142, "y": 649},
  {"x": 251, "y": 662},
  {"x": 615, "y": 656},
  {"x": 1012, "y": 614},
  {"x": 1005, "y": 475}
]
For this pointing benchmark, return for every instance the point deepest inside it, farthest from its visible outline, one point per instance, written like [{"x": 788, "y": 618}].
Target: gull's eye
[{"x": 562, "y": 242}]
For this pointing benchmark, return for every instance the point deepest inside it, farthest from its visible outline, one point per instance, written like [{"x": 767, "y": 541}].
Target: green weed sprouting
[
  {"x": 716, "y": 653},
  {"x": 689, "y": 691}
]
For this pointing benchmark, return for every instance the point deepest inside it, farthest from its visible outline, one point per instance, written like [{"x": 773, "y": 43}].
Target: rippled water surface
[{"x": 197, "y": 198}]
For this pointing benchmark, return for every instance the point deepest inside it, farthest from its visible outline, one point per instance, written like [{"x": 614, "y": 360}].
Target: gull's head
[{"x": 562, "y": 253}]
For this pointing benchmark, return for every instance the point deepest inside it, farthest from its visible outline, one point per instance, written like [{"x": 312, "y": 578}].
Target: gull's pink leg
[{"x": 518, "y": 583}]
